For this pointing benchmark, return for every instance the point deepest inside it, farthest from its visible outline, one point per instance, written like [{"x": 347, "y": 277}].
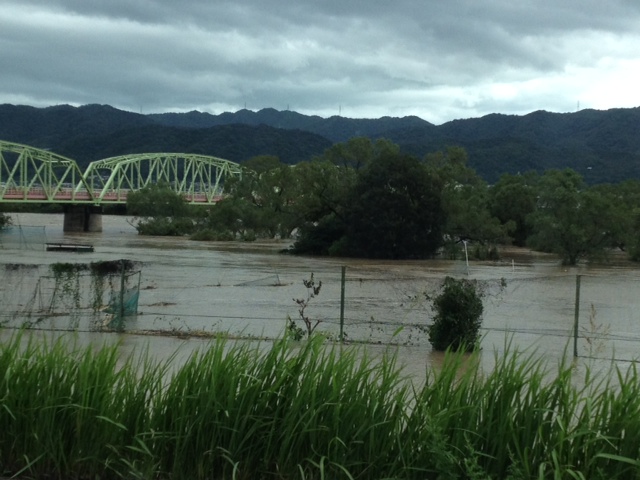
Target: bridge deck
[{"x": 40, "y": 195}]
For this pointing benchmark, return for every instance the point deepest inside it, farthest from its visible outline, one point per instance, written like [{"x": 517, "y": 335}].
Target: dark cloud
[{"x": 438, "y": 60}]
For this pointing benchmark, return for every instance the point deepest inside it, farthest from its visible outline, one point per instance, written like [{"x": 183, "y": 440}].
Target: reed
[
  {"x": 307, "y": 410},
  {"x": 72, "y": 411}
]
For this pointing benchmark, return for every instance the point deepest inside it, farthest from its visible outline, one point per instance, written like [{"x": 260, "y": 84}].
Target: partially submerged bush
[
  {"x": 5, "y": 220},
  {"x": 458, "y": 318}
]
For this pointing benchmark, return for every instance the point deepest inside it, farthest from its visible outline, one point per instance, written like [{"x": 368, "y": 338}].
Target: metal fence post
[
  {"x": 344, "y": 268},
  {"x": 576, "y": 319},
  {"x": 122, "y": 285}
]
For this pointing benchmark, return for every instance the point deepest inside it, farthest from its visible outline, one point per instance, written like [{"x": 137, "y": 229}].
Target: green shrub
[{"x": 458, "y": 318}]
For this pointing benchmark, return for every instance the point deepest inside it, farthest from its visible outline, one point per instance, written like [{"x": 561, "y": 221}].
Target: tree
[
  {"x": 357, "y": 152},
  {"x": 511, "y": 200},
  {"x": 262, "y": 163},
  {"x": 571, "y": 220},
  {"x": 270, "y": 187},
  {"x": 230, "y": 219},
  {"x": 161, "y": 211},
  {"x": 395, "y": 210},
  {"x": 465, "y": 200},
  {"x": 625, "y": 202},
  {"x": 389, "y": 208},
  {"x": 323, "y": 189}
]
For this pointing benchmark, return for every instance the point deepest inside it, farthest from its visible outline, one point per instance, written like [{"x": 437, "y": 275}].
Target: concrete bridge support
[{"x": 82, "y": 218}]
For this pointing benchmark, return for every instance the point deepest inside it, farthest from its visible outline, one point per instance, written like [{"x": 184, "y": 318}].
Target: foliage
[
  {"x": 229, "y": 219},
  {"x": 632, "y": 242},
  {"x": 395, "y": 211},
  {"x": 367, "y": 199},
  {"x": 323, "y": 189},
  {"x": 320, "y": 238},
  {"x": 269, "y": 191},
  {"x": 357, "y": 152},
  {"x": 458, "y": 316},
  {"x": 392, "y": 210},
  {"x": 571, "y": 220},
  {"x": 233, "y": 410},
  {"x": 5, "y": 220},
  {"x": 465, "y": 201},
  {"x": 156, "y": 200},
  {"x": 161, "y": 210},
  {"x": 259, "y": 204},
  {"x": 624, "y": 202},
  {"x": 511, "y": 200},
  {"x": 164, "y": 226}
]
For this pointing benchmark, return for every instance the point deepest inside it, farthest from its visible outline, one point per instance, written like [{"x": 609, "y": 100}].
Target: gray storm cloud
[{"x": 437, "y": 60}]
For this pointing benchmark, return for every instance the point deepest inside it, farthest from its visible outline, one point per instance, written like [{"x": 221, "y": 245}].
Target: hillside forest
[{"x": 602, "y": 146}]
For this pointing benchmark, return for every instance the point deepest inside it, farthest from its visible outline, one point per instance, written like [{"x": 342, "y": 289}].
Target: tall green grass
[{"x": 310, "y": 411}]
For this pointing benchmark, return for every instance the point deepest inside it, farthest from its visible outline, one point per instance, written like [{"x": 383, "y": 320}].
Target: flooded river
[{"x": 248, "y": 290}]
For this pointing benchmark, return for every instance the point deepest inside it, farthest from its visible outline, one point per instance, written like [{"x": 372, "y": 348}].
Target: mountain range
[{"x": 603, "y": 146}]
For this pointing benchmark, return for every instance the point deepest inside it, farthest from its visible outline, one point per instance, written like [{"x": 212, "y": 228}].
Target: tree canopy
[
  {"x": 369, "y": 199},
  {"x": 387, "y": 207},
  {"x": 161, "y": 211},
  {"x": 395, "y": 210}
]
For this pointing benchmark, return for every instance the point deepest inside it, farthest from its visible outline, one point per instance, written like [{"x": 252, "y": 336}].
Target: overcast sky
[{"x": 437, "y": 59}]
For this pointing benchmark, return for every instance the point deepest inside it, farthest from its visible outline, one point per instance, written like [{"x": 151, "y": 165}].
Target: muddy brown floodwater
[{"x": 248, "y": 290}]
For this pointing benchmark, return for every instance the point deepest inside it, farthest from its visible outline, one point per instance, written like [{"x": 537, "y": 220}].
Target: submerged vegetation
[
  {"x": 309, "y": 411},
  {"x": 365, "y": 198},
  {"x": 458, "y": 316}
]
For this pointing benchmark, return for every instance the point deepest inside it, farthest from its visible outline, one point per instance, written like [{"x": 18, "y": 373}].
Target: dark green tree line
[{"x": 368, "y": 199}]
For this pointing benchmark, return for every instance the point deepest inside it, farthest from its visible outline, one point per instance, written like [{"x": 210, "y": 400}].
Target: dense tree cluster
[{"x": 368, "y": 199}]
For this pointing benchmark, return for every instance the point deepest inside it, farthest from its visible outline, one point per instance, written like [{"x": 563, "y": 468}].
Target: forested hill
[{"x": 603, "y": 146}]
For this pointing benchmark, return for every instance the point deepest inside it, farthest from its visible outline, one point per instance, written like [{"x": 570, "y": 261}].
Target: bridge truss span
[
  {"x": 29, "y": 174},
  {"x": 198, "y": 178}
]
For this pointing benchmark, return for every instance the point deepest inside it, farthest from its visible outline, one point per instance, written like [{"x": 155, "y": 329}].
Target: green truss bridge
[{"x": 32, "y": 175}]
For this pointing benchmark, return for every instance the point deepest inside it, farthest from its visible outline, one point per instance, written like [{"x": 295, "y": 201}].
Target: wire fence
[{"x": 590, "y": 315}]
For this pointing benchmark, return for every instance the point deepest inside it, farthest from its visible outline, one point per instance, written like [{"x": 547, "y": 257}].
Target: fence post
[
  {"x": 576, "y": 317},
  {"x": 344, "y": 268},
  {"x": 122, "y": 283}
]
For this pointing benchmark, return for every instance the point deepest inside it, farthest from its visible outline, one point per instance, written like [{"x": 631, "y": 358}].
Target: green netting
[
  {"x": 122, "y": 304},
  {"x": 76, "y": 297}
]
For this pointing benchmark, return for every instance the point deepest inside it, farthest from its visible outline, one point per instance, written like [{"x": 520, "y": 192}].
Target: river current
[{"x": 248, "y": 291}]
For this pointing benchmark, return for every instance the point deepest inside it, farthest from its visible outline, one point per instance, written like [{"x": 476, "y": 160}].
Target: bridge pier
[{"x": 82, "y": 218}]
